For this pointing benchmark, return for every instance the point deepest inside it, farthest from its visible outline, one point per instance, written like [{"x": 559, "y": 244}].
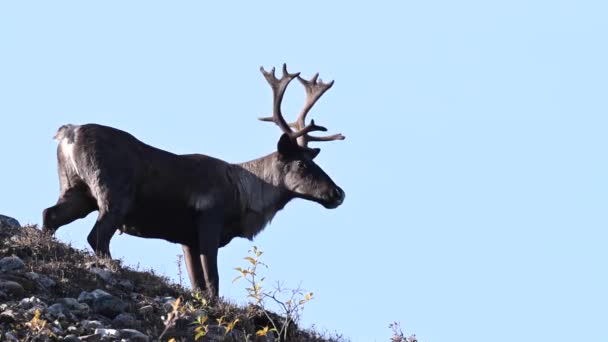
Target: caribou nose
[
  {"x": 339, "y": 195},
  {"x": 333, "y": 198}
]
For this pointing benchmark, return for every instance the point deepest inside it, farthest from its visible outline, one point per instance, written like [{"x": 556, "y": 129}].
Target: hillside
[{"x": 52, "y": 292}]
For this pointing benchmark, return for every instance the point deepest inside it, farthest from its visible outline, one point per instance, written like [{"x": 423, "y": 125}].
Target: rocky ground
[{"x": 52, "y": 292}]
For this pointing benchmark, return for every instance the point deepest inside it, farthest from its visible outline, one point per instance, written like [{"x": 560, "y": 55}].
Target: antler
[{"x": 315, "y": 88}]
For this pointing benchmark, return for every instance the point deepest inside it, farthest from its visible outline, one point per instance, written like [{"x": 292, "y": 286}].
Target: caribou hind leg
[
  {"x": 74, "y": 203},
  {"x": 107, "y": 223},
  {"x": 114, "y": 203}
]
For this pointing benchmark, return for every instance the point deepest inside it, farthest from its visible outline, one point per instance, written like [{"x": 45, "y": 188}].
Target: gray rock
[
  {"x": 108, "y": 332},
  {"x": 57, "y": 331},
  {"x": 134, "y": 335},
  {"x": 7, "y": 316},
  {"x": 104, "y": 274},
  {"x": 10, "y": 337},
  {"x": 91, "y": 338},
  {"x": 82, "y": 310},
  {"x": 28, "y": 303},
  {"x": 124, "y": 320},
  {"x": 59, "y": 311},
  {"x": 109, "y": 307},
  {"x": 11, "y": 263},
  {"x": 40, "y": 279},
  {"x": 71, "y": 303},
  {"x": 71, "y": 338},
  {"x": 8, "y": 222},
  {"x": 103, "y": 303},
  {"x": 75, "y": 306},
  {"x": 126, "y": 284},
  {"x": 12, "y": 288},
  {"x": 89, "y": 297},
  {"x": 147, "y": 309},
  {"x": 91, "y": 325},
  {"x": 86, "y": 297}
]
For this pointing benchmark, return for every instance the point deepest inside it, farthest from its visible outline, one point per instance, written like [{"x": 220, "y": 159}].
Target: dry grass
[{"x": 71, "y": 269}]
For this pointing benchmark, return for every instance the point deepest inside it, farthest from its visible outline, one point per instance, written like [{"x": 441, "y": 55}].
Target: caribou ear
[
  {"x": 288, "y": 147},
  {"x": 313, "y": 152}
]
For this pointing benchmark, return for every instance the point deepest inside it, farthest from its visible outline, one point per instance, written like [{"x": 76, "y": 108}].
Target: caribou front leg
[
  {"x": 195, "y": 268},
  {"x": 209, "y": 229}
]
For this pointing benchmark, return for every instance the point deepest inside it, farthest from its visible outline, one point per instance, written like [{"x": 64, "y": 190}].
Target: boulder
[
  {"x": 133, "y": 335},
  {"x": 91, "y": 338},
  {"x": 11, "y": 263},
  {"x": 58, "y": 311},
  {"x": 12, "y": 288},
  {"x": 41, "y": 280},
  {"x": 91, "y": 325},
  {"x": 113, "y": 333},
  {"x": 71, "y": 338},
  {"x": 7, "y": 316},
  {"x": 75, "y": 306},
  {"x": 8, "y": 222},
  {"x": 124, "y": 320},
  {"x": 103, "y": 303}
]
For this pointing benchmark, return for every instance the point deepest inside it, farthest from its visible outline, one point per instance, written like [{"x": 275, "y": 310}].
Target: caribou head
[{"x": 295, "y": 163}]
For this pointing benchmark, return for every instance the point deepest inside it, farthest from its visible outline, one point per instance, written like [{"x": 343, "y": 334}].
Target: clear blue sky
[{"x": 474, "y": 166}]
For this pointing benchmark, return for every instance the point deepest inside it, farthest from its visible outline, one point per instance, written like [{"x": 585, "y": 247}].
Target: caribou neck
[{"x": 260, "y": 186}]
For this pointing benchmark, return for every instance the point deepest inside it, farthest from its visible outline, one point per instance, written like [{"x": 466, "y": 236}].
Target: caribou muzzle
[{"x": 334, "y": 198}]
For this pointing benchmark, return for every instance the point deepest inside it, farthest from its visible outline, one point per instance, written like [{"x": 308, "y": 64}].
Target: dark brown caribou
[{"x": 195, "y": 200}]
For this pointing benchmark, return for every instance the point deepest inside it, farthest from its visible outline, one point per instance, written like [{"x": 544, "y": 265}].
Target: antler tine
[
  {"x": 271, "y": 119},
  {"x": 315, "y": 88},
  {"x": 278, "y": 90},
  {"x": 338, "y": 136}
]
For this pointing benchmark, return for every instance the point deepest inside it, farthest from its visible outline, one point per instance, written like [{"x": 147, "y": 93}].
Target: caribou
[{"x": 195, "y": 200}]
